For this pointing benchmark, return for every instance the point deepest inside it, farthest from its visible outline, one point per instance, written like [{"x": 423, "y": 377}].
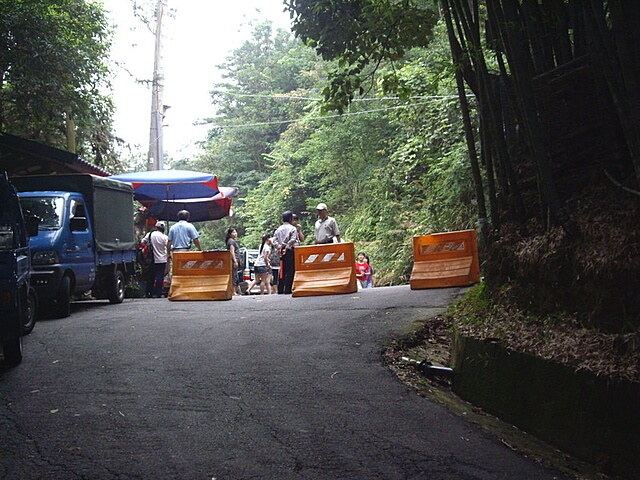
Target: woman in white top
[{"x": 262, "y": 267}]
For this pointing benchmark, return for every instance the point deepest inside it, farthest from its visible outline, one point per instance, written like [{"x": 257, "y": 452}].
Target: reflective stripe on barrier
[
  {"x": 201, "y": 276},
  {"x": 445, "y": 260},
  {"x": 326, "y": 269}
]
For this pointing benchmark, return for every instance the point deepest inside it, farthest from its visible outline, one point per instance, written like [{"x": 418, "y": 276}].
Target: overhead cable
[{"x": 276, "y": 122}]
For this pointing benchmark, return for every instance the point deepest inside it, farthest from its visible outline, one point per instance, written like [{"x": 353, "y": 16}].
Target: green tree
[
  {"x": 360, "y": 35},
  {"x": 390, "y": 166},
  {"x": 53, "y": 72},
  {"x": 249, "y": 110},
  {"x": 266, "y": 82}
]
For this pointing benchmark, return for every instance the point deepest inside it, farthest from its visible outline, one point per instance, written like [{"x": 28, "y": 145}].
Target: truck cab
[{"x": 63, "y": 247}]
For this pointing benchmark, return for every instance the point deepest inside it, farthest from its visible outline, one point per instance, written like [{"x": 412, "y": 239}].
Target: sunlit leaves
[
  {"x": 392, "y": 166},
  {"x": 53, "y": 64},
  {"x": 360, "y": 34}
]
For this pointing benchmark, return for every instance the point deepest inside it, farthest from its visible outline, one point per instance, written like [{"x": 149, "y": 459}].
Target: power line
[
  {"x": 278, "y": 96},
  {"x": 277, "y": 122}
]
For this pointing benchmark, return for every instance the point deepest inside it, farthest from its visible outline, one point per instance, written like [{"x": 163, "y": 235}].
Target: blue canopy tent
[
  {"x": 166, "y": 192},
  {"x": 201, "y": 209}
]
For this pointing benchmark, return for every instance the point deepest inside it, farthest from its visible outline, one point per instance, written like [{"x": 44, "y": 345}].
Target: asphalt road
[{"x": 267, "y": 387}]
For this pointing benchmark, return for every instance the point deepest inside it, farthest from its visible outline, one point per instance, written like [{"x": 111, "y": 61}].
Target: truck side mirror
[
  {"x": 32, "y": 225},
  {"x": 79, "y": 224}
]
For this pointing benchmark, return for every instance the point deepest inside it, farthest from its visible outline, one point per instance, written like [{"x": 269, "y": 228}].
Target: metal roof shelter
[{"x": 19, "y": 156}]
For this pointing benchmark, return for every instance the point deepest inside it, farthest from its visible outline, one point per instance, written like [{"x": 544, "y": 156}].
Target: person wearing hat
[
  {"x": 158, "y": 242},
  {"x": 326, "y": 228}
]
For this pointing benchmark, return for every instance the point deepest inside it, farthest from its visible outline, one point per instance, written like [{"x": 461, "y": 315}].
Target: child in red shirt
[{"x": 362, "y": 269}]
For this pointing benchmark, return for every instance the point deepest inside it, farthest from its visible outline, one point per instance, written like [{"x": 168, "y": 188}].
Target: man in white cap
[{"x": 326, "y": 228}]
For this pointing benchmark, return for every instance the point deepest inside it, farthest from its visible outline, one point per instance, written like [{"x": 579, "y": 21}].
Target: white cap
[{"x": 321, "y": 206}]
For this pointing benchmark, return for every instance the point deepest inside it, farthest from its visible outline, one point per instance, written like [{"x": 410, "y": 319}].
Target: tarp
[
  {"x": 168, "y": 185},
  {"x": 166, "y": 192},
  {"x": 201, "y": 209}
]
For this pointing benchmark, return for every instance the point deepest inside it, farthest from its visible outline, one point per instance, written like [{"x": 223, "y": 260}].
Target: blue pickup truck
[
  {"x": 18, "y": 301},
  {"x": 85, "y": 243}
]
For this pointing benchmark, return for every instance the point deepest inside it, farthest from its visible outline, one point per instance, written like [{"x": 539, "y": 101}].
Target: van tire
[
  {"x": 12, "y": 351},
  {"x": 62, "y": 307},
  {"x": 30, "y": 312},
  {"x": 116, "y": 293}
]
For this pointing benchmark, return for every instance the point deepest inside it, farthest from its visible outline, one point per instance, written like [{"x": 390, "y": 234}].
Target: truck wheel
[
  {"x": 62, "y": 308},
  {"x": 30, "y": 312},
  {"x": 116, "y": 295},
  {"x": 12, "y": 350}
]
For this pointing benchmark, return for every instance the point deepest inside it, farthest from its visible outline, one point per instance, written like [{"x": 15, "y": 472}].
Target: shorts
[
  {"x": 260, "y": 269},
  {"x": 275, "y": 274}
]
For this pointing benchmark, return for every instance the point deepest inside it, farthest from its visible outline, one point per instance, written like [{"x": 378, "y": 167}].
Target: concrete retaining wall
[{"x": 589, "y": 417}]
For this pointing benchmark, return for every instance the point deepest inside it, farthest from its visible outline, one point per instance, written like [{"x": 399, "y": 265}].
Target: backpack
[{"x": 145, "y": 251}]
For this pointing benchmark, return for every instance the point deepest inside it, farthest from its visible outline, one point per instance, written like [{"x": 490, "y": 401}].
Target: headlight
[{"x": 45, "y": 258}]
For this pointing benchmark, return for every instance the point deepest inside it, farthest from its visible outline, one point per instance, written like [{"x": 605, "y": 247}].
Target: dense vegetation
[
  {"x": 389, "y": 167},
  {"x": 54, "y": 76}
]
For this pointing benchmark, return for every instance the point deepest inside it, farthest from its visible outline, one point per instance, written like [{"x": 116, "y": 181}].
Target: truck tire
[
  {"x": 116, "y": 293},
  {"x": 30, "y": 312},
  {"x": 12, "y": 350},
  {"x": 62, "y": 307}
]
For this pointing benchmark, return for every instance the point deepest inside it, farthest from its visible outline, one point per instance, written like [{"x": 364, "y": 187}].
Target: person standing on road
[
  {"x": 371, "y": 272},
  {"x": 326, "y": 228},
  {"x": 285, "y": 239},
  {"x": 275, "y": 269},
  {"x": 158, "y": 241},
  {"x": 233, "y": 246},
  {"x": 183, "y": 234},
  {"x": 362, "y": 269},
  {"x": 262, "y": 267}
]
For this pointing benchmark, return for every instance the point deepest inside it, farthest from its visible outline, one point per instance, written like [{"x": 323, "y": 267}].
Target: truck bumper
[{"x": 46, "y": 281}]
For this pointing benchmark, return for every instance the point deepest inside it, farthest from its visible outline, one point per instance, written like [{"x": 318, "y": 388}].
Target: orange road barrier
[
  {"x": 327, "y": 269},
  {"x": 445, "y": 260},
  {"x": 201, "y": 276}
]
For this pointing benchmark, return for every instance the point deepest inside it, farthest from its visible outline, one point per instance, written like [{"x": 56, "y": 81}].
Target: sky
[{"x": 198, "y": 35}]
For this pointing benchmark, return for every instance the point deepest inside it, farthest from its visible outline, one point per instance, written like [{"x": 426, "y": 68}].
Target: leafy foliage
[
  {"x": 266, "y": 81},
  {"x": 53, "y": 71},
  {"x": 389, "y": 167},
  {"x": 358, "y": 33}
]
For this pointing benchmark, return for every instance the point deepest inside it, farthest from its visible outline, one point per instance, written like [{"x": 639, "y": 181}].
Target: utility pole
[{"x": 155, "y": 160}]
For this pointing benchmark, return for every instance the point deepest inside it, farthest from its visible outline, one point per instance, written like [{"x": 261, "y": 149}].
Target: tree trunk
[
  {"x": 616, "y": 51},
  {"x": 510, "y": 28},
  {"x": 468, "y": 128},
  {"x": 71, "y": 133}
]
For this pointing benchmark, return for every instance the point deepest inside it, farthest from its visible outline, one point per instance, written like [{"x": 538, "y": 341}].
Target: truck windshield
[{"x": 47, "y": 209}]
